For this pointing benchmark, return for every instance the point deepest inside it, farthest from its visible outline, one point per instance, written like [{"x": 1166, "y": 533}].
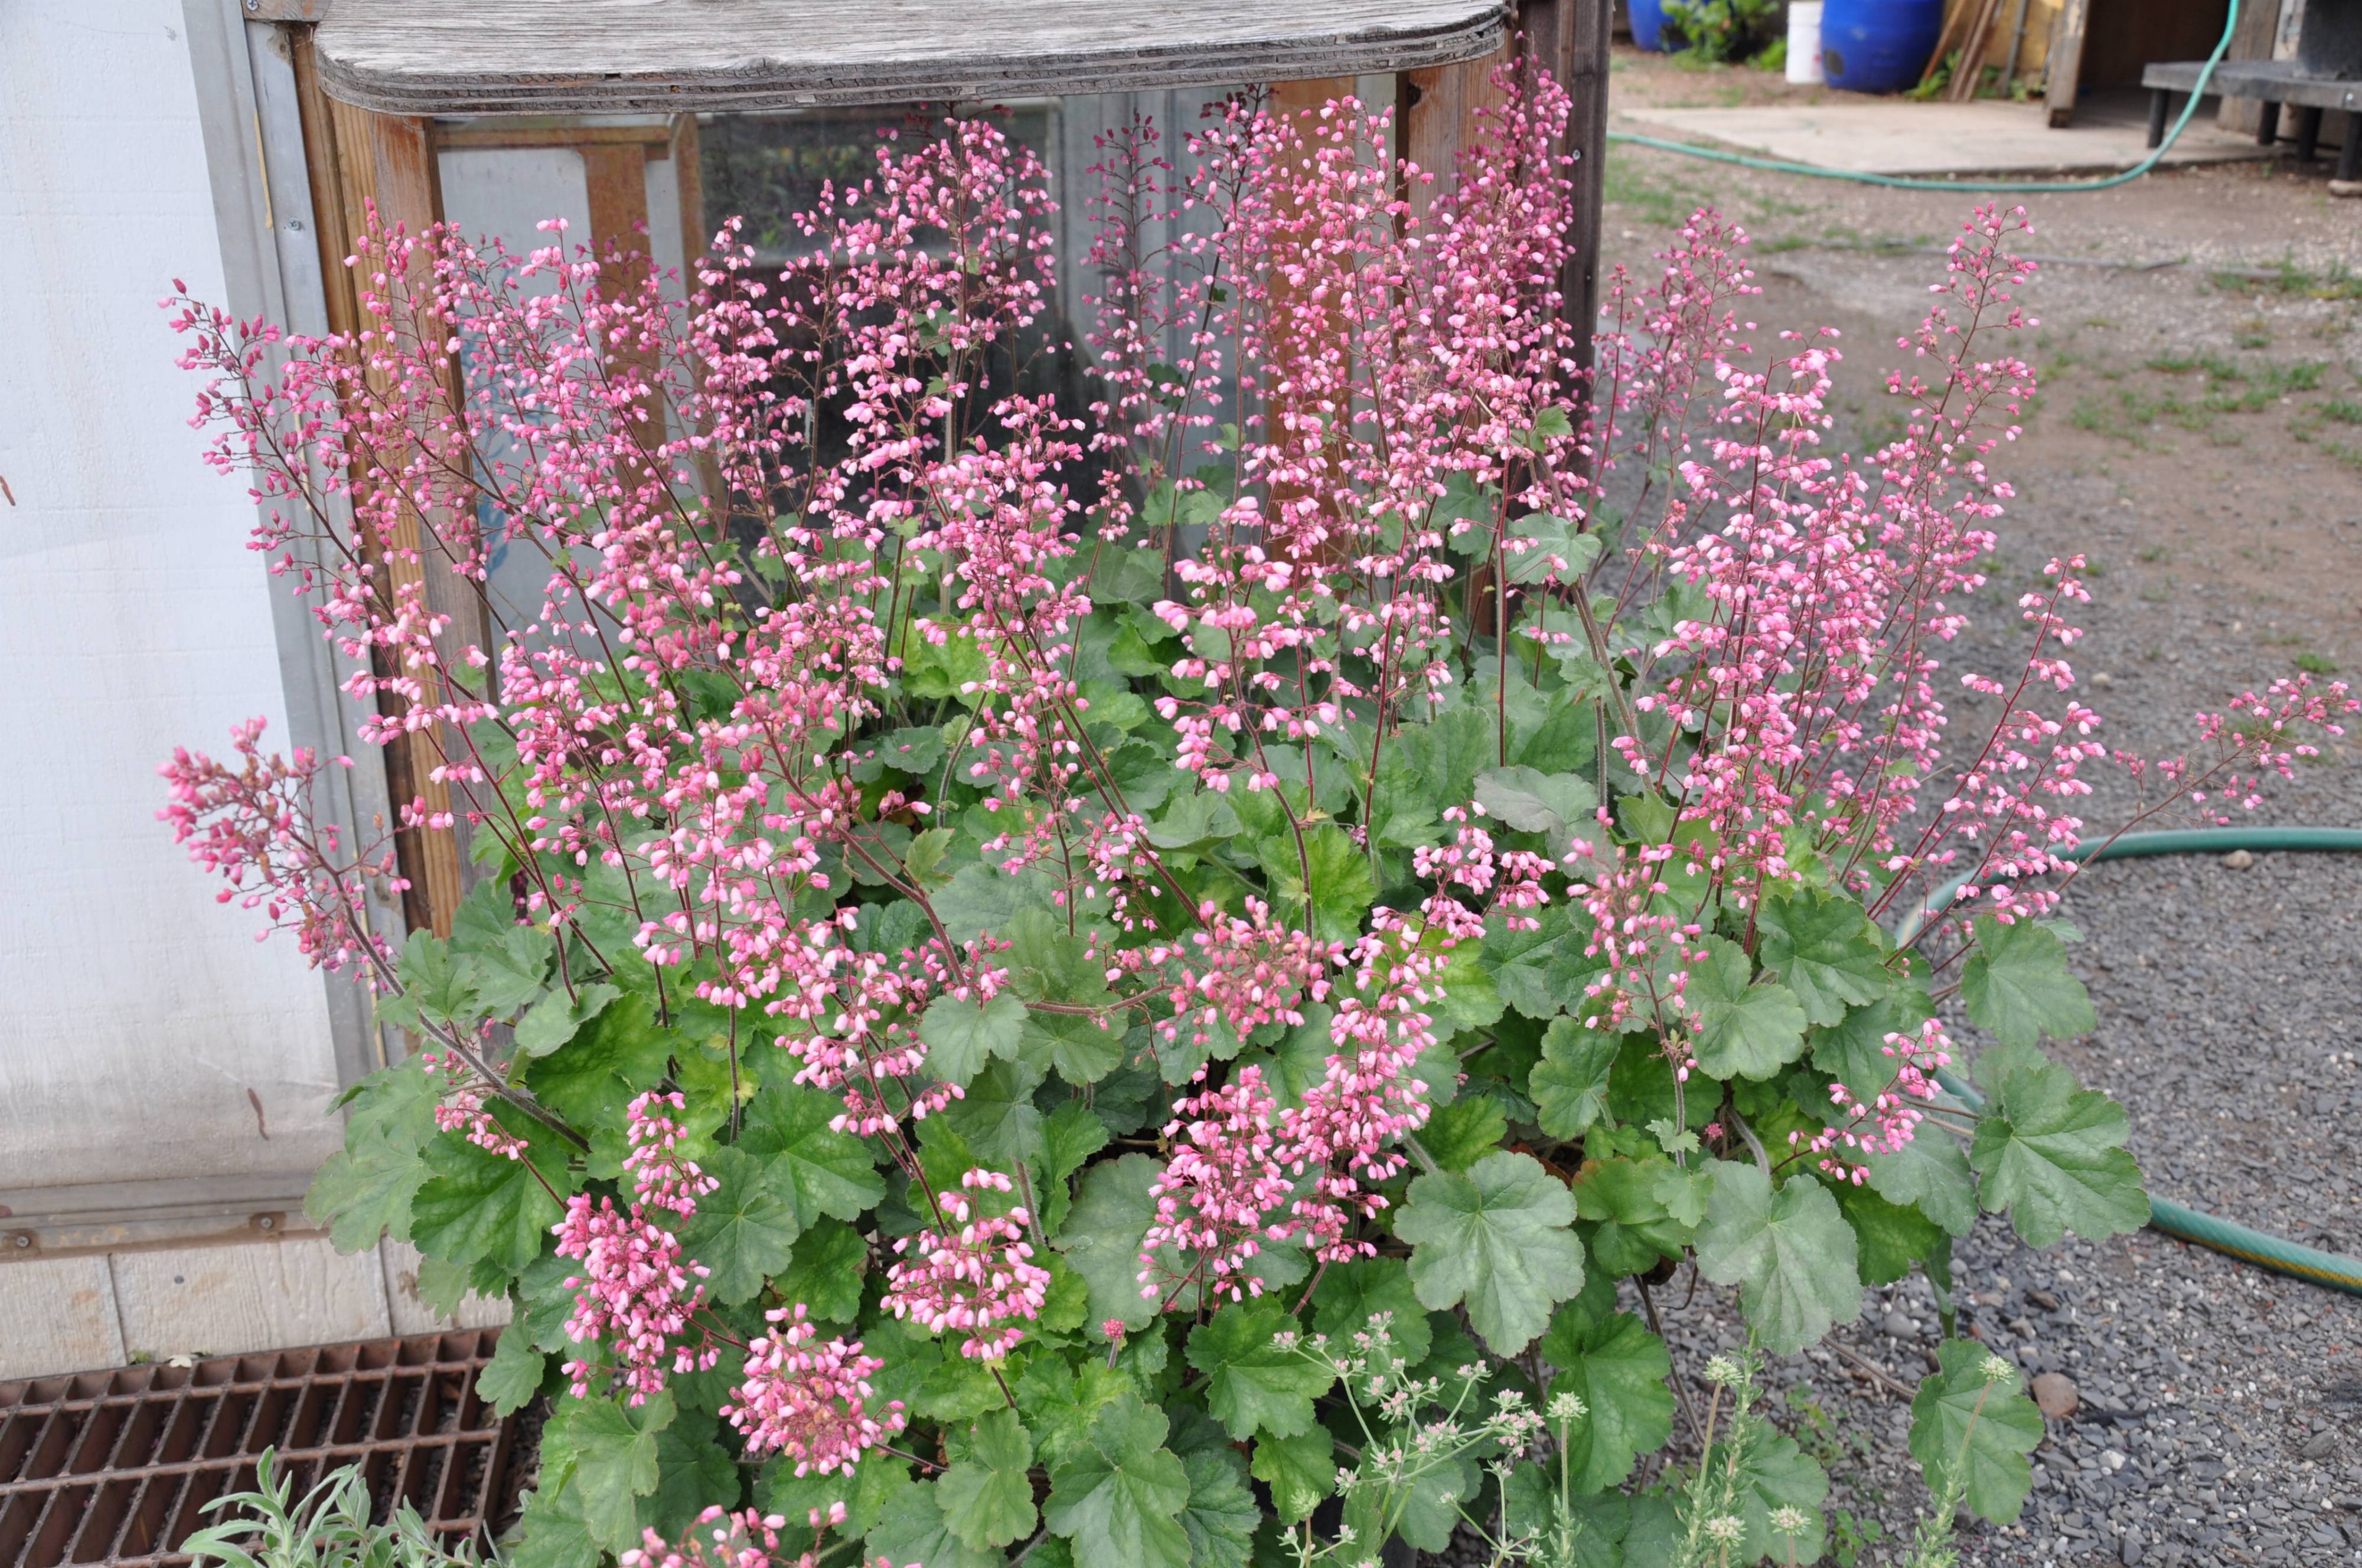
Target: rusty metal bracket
[
  {"x": 285, "y": 10},
  {"x": 116, "y": 1466}
]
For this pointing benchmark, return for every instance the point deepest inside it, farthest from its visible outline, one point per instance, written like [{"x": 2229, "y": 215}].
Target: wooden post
[
  {"x": 358, "y": 161},
  {"x": 2066, "y": 66},
  {"x": 1437, "y": 107},
  {"x": 1571, "y": 38}
]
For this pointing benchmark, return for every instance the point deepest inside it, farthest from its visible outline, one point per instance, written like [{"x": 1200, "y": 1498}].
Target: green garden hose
[
  {"x": 2006, "y": 187},
  {"x": 2258, "y": 1247}
]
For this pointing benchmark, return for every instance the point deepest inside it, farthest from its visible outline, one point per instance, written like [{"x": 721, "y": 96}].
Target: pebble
[
  {"x": 2238, "y": 860},
  {"x": 2103, "y": 681},
  {"x": 2055, "y": 1392},
  {"x": 1900, "y": 1325},
  {"x": 2321, "y": 1445},
  {"x": 2111, "y": 1460}
]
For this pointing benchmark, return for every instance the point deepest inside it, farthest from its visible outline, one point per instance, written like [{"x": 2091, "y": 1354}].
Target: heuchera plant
[{"x": 1132, "y": 984}]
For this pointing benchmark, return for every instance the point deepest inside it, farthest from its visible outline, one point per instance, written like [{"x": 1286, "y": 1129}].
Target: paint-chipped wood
[
  {"x": 464, "y": 57},
  {"x": 56, "y": 1315},
  {"x": 226, "y": 1301}
]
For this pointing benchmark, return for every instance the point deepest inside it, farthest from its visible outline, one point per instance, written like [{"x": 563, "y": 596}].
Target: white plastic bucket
[{"x": 1804, "y": 42}]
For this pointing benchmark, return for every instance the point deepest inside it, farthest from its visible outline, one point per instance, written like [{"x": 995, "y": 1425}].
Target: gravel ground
[{"x": 2216, "y": 1406}]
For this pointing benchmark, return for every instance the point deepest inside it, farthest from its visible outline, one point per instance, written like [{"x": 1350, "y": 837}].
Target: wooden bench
[{"x": 2276, "y": 82}]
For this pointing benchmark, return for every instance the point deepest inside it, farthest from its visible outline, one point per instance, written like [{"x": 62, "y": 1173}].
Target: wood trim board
[{"x": 478, "y": 57}]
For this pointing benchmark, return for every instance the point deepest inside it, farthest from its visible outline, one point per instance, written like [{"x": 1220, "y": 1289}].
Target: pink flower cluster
[
  {"x": 809, "y": 1402},
  {"x": 460, "y": 1107},
  {"x": 722, "y": 1539},
  {"x": 1246, "y": 1171},
  {"x": 1890, "y": 1118},
  {"x": 638, "y": 1294},
  {"x": 257, "y": 828},
  {"x": 979, "y": 1281}
]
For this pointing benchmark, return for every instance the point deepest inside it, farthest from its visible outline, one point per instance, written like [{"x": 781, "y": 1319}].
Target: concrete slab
[{"x": 1894, "y": 135}]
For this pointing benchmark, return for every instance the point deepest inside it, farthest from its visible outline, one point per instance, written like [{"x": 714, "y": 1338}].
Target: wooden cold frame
[{"x": 376, "y": 72}]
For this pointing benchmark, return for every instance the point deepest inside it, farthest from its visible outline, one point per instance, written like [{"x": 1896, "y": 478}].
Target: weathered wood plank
[
  {"x": 228, "y": 1300},
  {"x": 2065, "y": 71},
  {"x": 471, "y": 57}
]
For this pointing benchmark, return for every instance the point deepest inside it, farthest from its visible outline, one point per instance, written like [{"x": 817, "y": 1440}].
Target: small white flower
[
  {"x": 1789, "y": 1520},
  {"x": 1725, "y": 1530},
  {"x": 1568, "y": 1407}
]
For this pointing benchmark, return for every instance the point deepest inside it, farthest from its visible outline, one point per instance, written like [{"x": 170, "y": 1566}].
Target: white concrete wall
[{"x": 140, "y": 1024}]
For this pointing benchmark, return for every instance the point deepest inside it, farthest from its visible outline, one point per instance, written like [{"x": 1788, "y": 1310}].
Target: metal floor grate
[{"x": 117, "y": 1466}]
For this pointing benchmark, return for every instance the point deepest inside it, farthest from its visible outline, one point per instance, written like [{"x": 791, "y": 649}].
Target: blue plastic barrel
[
  {"x": 1648, "y": 18},
  {"x": 1874, "y": 46}
]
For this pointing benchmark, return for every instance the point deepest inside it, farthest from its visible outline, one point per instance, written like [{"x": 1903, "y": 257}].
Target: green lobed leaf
[
  {"x": 365, "y": 1189},
  {"x": 1496, "y": 1239},
  {"x": 875, "y": 1481},
  {"x": 824, "y": 1271},
  {"x": 1931, "y": 1174},
  {"x": 550, "y": 1532},
  {"x": 1119, "y": 1495},
  {"x": 396, "y": 1102},
  {"x": 1626, "y": 1199},
  {"x": 996, "y": 1116},
  {"x": 610, "y": 1450},
  {"x": 1824, "y": 950},
  {"x": 1617, "y": 1369},
  {"x": 914, "y": 1532},
  {"x": 1570, "y": 1083},
  {"x": 1253, "y": 1383},
  {"x": 961, "y": 1036},
  {"x": 987, "y": 1496},
  {"x": 1221, "y": 1515},
  {"x": 1302, "y": 1472},
  {"x": 510, "y": 1380},
  {"x": 506, "y": 964},
  {"x": 1558, "y": 805},
  {"x": 2052, "y": 1153},
  {"x": 1082, "y": 1049},
  {"x": 1070, "y": 1134},
  {"x": 1774, "y": 1473},
  {"x": 1854, "y": 1050},
  {"x": 745, "y": 1231},
  {"x": 1462, "y": 1132},
  {"x": 1427, "y": 1504},
  {"x": 1103, "y": 1234},
  {"x": 1353, "y": 1293},
  {"x": 558, "y": 1017},
  {"x": 1789, "y": 1253},
  {"x": 1744, "y": 1030},
  {"x": 823, "y": 1171},
  {"x": 1341, "y": 887},
  {"x": 479, "y": 1205},
  {"x": 1193, "y": 820},
  {"x": 1976, "y": 1429},
  {"x": 2016, "y": 985},
  {"x": 1520, "y": 962},
  {"x": 1887, "y": 1237},
  {"x": 1600, "y": 1523},
  {"x": 434, "y": 985},
  {"x": 1060, "y": 1402},
  {"x": 694, "y": 1473}
]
